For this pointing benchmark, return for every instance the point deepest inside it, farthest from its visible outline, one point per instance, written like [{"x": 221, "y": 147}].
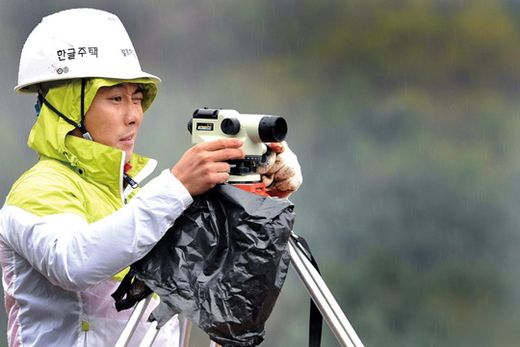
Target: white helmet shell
[{"x": 78, "y": 43}]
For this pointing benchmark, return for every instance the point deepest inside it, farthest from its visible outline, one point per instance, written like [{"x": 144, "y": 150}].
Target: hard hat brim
[{"x": 33, "y": 86}]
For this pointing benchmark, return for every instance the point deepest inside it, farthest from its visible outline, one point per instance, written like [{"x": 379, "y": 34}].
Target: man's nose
[{"x": 132, "y": 112}]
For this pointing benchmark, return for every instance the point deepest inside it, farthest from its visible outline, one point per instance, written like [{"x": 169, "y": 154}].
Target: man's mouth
[{"x": 127, "y": 139}]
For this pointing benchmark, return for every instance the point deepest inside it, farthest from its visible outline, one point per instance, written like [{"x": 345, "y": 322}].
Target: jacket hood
[{"x": 49, "y": 136}]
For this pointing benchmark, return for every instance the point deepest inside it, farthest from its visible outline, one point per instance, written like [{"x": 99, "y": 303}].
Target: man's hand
[
  {"x": 282, "y": 174},
  {"x": 203, "y": 166}
]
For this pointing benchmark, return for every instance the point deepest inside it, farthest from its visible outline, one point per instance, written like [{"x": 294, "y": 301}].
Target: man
[{"x": 73, "y": 222}]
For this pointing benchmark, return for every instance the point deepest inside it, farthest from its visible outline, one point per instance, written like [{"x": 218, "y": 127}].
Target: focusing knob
[{"x": 230, "y": 126}]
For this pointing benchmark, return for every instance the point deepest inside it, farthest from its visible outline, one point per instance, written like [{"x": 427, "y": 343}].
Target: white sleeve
[{"x": 76, "y": 255}]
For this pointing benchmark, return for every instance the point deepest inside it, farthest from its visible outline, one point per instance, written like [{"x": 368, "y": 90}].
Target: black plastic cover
[{"x": 222, "y": 265}]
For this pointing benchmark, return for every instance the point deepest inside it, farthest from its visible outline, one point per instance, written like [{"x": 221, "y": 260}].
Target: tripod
[{"x": 313, "y": 282}]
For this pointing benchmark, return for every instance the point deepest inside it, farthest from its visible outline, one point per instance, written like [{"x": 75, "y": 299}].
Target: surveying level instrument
[{"x": 255, "y": 131}]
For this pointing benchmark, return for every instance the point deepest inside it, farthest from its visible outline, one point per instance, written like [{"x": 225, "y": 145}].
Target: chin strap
[{"x": 81, "y": 125}]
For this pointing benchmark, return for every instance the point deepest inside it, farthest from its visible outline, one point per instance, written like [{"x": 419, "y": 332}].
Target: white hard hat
[{"x": 78, "y": 43}]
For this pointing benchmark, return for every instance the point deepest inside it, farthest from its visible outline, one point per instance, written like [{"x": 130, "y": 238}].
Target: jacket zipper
[{"x": 85, "y": 327}]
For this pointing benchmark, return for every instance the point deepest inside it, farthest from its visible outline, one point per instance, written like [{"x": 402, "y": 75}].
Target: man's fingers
[
  {"x": 277, "y": 147},
  {"x": 285, "y": 173},
  {"x": 221, "y": 167},
  {"x": 221, "y": 177},
  {"x": 226, "y": 154},
  {"x": 220, "y": 150},
  {"x": 220, "y": 144}
]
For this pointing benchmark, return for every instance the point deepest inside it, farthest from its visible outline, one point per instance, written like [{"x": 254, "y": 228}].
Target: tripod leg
[
  {"x": 185, "y": 333},
  {"x": 316, "y": 278},
  {"x": 133, "y": 321},
  {"x": 323, "y": 298},
  {"x": 150, "y": 335}
]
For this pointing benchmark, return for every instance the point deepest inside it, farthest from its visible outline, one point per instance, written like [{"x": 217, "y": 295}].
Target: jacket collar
[{"x": 103, "y": 165}]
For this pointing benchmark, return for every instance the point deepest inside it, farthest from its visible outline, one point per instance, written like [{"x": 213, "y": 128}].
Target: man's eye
[{"x": 117, "y": 98}]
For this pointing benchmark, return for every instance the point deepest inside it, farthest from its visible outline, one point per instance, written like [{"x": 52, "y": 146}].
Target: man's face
[{"x": 115, "y": 116}]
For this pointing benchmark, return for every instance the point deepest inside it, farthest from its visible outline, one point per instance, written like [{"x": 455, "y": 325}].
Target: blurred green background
[{"x": 406, "y": 119}]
